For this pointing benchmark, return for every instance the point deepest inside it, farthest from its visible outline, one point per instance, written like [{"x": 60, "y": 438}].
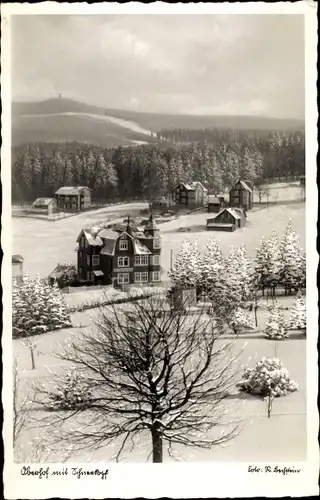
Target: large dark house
[
  {"x": 73, "y": 199},
  {"x": 241, "y": 195},
  {"x": 123, "y": 257},
  {"x": 190, "y": 195}
]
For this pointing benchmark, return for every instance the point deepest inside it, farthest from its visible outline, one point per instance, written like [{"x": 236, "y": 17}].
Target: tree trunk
[
  {"x": 157, "y": 451},
  {"x": 32, "y": 359},
  {"x": 256, "y": 315}
]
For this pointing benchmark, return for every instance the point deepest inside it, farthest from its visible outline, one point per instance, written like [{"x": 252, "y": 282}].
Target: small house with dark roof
[
  {"x": 62, "y": 274},
  {"x": 120, "y": 257},
  {"x": 190, "y": 195},
  {"x": 45, "y": 205},
  {"x": 229, "y": 219},
  {"x": 17, "y": 267},
  {"x": 73, "y": 199},
  {"x": 216, "y": 203},
  {"x": 241, "y": 195}
]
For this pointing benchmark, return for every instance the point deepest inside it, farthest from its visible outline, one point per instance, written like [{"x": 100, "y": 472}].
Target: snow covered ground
[
  {"x": 43, "y": 244},
  {"x": 134, "y": 127},
  {"x": 280, "y": 438}
]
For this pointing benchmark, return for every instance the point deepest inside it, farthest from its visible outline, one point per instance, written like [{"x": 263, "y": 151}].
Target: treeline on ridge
[{"x": 151, "y": 170}]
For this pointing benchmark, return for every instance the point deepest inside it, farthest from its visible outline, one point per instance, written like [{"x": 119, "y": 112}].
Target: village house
[
  {"x": 216, "y": 203},
  {"x": 125, "y": 257},
  {"x": 190, "y": 195},
  {"x": 229, "y": 219},
  {"x": 17, "y": 267},
  {"x": 241, "y": 195},
  {"x": 73, "y": 199},
  {"x": 46, "y": 206}
]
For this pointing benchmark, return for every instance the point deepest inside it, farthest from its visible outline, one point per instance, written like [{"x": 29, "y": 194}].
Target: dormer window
[{"x": 123, "y": 242}]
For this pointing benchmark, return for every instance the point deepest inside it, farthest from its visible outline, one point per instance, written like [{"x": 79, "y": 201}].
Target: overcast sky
[{"x": 205, "y": 64}]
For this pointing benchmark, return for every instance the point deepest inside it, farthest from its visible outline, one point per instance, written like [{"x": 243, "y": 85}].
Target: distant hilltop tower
[{"x": 60, "y": 96}]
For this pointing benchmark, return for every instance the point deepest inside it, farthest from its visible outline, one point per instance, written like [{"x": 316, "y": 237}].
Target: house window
[
  {"x": 90, "y": 276},
  {"x": 88, "y": 260},
  {"x": 155, "y": 276},
  {"x": 123, "y": 244},
  {"x": 141, "y": 260},
  {"x": 156, "y": 260},
  {"x": 141, "y": 277},
  {"x": 80, "y": 255},
  {"x": 95, "y": 260},
  {"x": 156, "y": 243},
  {"x": 123, "y": 261},
  {"x": 123, "y": 278}
]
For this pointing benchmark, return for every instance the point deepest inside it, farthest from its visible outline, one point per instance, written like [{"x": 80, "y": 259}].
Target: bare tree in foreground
[
  {"x": 20, "y": 406},
  {"x": 143, "y": 370}
]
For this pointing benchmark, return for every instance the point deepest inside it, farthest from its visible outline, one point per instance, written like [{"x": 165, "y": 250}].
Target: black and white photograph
[{"x": 161, "y": 227}]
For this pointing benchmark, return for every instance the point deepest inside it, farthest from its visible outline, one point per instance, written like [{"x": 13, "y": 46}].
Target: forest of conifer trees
[{"x": 214, "y": 157}]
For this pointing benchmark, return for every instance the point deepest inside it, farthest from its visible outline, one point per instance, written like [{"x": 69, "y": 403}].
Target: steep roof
[
  {"x": 151, "y": 224},
  {"x": 71, "y": 190},
  {"x": 234, "y": 214},
  {"x": 17, "y": 259},
  {"x": 243, "y": 184},
  {"x": 198, "y": 183},
  {"x": 188, "y": 187},
  {"x": 43, "y": 202}
]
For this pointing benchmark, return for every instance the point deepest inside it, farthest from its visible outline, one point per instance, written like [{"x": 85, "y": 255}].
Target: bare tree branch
[{"x": 144, "y": 369}]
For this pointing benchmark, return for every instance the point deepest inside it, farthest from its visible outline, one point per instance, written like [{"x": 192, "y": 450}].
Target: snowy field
[
  {"x": 43, "y": 244},
  {"x": 279, "y": 438}
]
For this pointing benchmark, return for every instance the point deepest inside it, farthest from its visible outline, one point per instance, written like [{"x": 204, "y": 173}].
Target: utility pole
[{"x": 171, "y": 259}]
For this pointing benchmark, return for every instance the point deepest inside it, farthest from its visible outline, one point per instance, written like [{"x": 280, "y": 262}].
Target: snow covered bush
[
  {"x": 240, "y": 320},
  {"x": 275, "y": 327},
  {"x": 268, "y": 377},
  {"x": 72, "y": 393},
  {"x": 37, "y": 308},
  {"x": 298, "y": 318}
]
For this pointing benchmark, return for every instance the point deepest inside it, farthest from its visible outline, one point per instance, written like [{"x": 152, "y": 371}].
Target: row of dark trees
[{"x": 149, "y": 171}]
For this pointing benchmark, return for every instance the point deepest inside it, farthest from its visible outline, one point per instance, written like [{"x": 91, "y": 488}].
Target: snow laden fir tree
[
  {"x": 293, "y": 261},
  {"x": 298, "y": 318},
  {"x": 268, "y": 263},
  {"x": 37, "y": 308},
  {"x": 275, "y": 327},
  {"x": 185, "y": 272}
]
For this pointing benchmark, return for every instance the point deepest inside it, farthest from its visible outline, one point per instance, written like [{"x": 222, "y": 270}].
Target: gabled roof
[
  {"x": 71, "y": 190},
  {"x": 197, "y": 183},
  {"x": 188, "y": 187},
  {"x": 92, "y": 239},
  {"x": 234, "y": 214},
  {"x": 151, "y": 224},
  {"x": 243, "y": 184},
  {"x": 17, "y": 259},
  {"x": 43, "y": 202}
]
